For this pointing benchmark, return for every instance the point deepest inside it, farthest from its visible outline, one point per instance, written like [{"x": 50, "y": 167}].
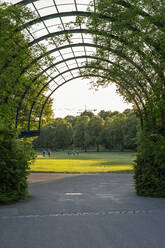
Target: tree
[
  {"x": 45, "y": 140},
  {"x": 63, "y": 133},
  {"x": 88, "y": 113},
  {"x": 57, "y": 135},
  {"x": 104, "y": 114},
  {"x": 129, "y": 129},
  {"x": 71, "y": 119},
  {"x": 95, "y": 131},
  {"x": 120, "y": 131},
  {"x": 80, "y": 132},
  {"x": 113, "y": 132}
]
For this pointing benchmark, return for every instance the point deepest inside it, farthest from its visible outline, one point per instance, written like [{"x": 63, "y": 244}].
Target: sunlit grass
[{"x": 86, "y": 162}]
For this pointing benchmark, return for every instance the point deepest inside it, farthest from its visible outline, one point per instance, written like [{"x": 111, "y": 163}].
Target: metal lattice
[{"x": 52, "y": 18}]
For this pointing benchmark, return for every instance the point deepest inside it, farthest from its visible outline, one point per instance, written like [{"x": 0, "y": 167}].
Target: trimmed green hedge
[
  {"x": 15, "y": 157},
  {"x": 150, "y": 165}
]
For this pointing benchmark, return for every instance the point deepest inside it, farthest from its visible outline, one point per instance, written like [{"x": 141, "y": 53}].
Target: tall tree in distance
[
  {"x": 80, "y": 132},
  {"x": 95, "y": 131},
  {"x": 88, "y": 113}
]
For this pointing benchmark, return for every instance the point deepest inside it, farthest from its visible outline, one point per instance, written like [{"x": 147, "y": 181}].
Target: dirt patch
[{"x": 47, "y": 177}]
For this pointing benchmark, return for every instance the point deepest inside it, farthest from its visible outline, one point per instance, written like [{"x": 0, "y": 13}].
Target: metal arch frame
[
  {"x": 41, "y": 19},
  {"x": 74, "y": 13},
  {"x": 50, "y": 16},
  {"x": 88, "y": 32},
  {"x": 75, "y": 45},
  {"x": 64, "y": 31},
  {"x": 25, "y": 2},
  {"x": 34, "y": 102},
  {"x": 79, "y": 44}
]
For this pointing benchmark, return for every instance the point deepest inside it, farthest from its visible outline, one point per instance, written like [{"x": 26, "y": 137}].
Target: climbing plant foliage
[
  {"x": 20, "y": 74},
  {"x": 15, "y": 159},
  {"x": 130, "y": 40},
  {"x": 19, "y": 87}
]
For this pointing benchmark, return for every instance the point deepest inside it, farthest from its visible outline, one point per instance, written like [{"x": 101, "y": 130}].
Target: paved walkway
[{"x": 83, "y": 211}]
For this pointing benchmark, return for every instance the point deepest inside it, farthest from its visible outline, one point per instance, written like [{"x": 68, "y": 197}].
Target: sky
[{"x": 76, "y": 96}]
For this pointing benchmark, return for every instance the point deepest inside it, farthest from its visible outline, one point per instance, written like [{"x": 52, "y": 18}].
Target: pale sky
[{"x": 76, "y": 96}]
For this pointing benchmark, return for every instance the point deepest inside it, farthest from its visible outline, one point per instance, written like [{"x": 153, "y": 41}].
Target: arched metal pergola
[{"x": 71, "y": 57}]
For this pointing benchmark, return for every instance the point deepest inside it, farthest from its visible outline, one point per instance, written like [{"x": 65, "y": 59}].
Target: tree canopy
[
  {"x": 131, "y": 35},
  {"x": 116, "y": 132},
  {"x": 19, "y": 88}
]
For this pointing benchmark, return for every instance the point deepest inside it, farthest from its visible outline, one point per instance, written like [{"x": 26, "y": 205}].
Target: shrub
[
  {"x": 15, "y": 157},
  {"x": 150, "y": 165}
]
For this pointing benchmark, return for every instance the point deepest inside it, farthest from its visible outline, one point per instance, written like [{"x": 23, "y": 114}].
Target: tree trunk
[{"x": 98, "y": 148}]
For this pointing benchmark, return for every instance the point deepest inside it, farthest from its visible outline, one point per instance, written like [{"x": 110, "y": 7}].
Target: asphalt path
[{"x": 86, "y": 211}]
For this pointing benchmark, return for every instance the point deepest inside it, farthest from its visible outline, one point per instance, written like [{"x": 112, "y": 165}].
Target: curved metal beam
[
  {"x": 67, "y": 31},
  {"x": 81, "y": 44},
  {"x": 57, "y": 15},
  {"x": 25, "y": 2}
]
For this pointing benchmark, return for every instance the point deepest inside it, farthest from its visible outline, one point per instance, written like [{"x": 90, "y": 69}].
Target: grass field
[{"x": 85, "y": 162}]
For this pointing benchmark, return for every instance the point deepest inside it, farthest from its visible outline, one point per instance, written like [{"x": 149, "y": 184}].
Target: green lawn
[{"x": 85, "y": 162}]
